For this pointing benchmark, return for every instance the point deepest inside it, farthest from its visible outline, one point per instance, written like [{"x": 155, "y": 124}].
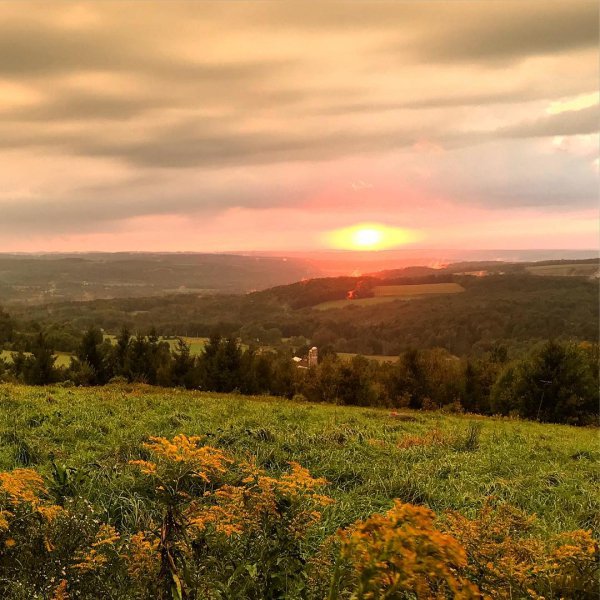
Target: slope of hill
[
  {"x": 516, "y": 309},
  {"x": 360, "y": 451},
  {"x": 58, "y": 277},
  {"x": 137, "y": 492}
]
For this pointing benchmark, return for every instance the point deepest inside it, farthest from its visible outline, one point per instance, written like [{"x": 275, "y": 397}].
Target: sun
[
  {"x": 367, "y": 238},
  {"x": 370, "y": 236}
]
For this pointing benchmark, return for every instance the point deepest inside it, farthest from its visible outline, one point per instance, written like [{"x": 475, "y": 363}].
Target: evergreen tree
[
  {"x": 90, "y": 352},
  {"x": 121, "y": 353},
  {"x": 554, "y": 384},
  {"x": 39, "y": 368},
  {"x": 182, "y": 365}
]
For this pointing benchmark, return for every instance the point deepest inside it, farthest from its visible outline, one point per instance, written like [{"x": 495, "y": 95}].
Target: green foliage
[
  {"x": 556, "y": 383},
  {"x": 514, "y": 309}
]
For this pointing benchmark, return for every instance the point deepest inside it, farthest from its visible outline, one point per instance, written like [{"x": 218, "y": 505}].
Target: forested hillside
[
  {"x": 33, "y": 279},
  {"x": 517, "y": 310}
]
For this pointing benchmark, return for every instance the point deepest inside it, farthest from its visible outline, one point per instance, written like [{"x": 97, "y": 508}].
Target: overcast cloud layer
[{"x": 263, "y": 125}]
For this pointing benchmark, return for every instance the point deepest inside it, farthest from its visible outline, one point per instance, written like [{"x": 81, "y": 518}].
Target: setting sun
[
  {"x": 367, "y": 237},
  {"x": 370, "y": 236}
]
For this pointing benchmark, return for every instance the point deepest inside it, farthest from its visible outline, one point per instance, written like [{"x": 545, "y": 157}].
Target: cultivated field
[
  {"x": 389, "y": 293},
  {"x": 565, "y": 270},
  {"x": 421, "y": 289},
  {"x": 381, "y": 358},
  {"x": 196, "y": 343},
  {"x": 63, "y": 359}
]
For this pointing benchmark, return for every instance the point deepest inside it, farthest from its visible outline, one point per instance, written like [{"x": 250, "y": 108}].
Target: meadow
[
  {"x": 565, "y": 270},
  {"x": 549, "y": 470},
  {"x": 196, "y": 344},
  {"x": 63, "y": 359},
  {"x": 389, "y": 293},
  {"x": 82, "y": 441}
]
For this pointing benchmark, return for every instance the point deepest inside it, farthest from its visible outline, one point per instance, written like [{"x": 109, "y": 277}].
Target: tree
[
  {"x": 7, "y": 327},
  {"x": 39, "y": 369},
  {"x": 182, "y": 365},
  {"x": 556, "y": 383},
  {"x": 355, "y": 383},
  {"x": 140, "y": 360},
  {"x": 89, "y": 352},
  {"x": 121, "y": 353}
]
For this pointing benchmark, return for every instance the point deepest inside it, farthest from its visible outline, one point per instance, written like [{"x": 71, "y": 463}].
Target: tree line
[{"x": 555, "y": 382}]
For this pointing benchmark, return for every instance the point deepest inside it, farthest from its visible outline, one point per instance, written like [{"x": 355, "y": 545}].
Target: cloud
[
  {"x": 566, "y": 123},
  {"x": 503, "y": 32},
  {"x": 109, "y": 113}
]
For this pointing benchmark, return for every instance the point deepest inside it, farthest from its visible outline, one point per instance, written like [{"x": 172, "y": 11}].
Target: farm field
[
  {"x": 378, "y": 357},
  {"x": 90, "y": 445},
  {"x": 63, "y": 359},
  {"x": 417, "y": 290},
  {"x": 196, "y": 343},
  {"x": 565, "y": 270},
  {"x": 389, "y": 293}
]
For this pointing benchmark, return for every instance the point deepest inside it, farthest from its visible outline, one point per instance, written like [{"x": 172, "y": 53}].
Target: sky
[{"x": 246, "y": 126}]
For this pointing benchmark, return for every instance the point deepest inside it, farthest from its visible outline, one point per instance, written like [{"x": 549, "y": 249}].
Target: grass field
[
  {"x": 389, "y": 293},
  {"x": 399, "y": 291},
  {"x": 196, "y": 343},
  {"x": 92, "y": 506},
  {"x": 380, "y": 358},
  {"x": 565, "y": 270},
  {"x": 548, "y": 470},
  {"x": 63, "y": 359}
]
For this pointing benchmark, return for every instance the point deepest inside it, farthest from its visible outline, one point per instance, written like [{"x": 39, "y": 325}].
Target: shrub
[
  {"x": 507, "y": 560},
  {"x": 401, "y": 553}
]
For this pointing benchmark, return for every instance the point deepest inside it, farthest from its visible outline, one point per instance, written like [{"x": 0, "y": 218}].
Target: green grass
[
  {"x": 380, "y": 358},
  {"x": 565, "y": 270},
  {"x": 63, "y": 359},
  {"x": 360, "y": 302},
  {"x": 420, "y": 289},
  {"x": 389, "y": 293},
  {"x": 549, "y": 470},
  {"x": 196, "y": 343}
]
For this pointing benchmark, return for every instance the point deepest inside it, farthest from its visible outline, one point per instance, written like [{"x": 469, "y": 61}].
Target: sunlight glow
[
  {"x": 577, "y": 103},
  {"x": 370, "y": 236}
]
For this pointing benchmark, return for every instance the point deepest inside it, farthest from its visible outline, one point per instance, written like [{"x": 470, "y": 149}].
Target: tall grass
[{"x": 92, "y": 433}]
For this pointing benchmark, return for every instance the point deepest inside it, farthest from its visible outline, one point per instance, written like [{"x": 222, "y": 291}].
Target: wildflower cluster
[
  {"x": 228, "y": 528},
  {"x": 143, "y": 557},
  {"x": 22, "y": 486},
  {"x": 23, "y": 501},
  {"x": 102, "y": 549},
  {"x": 61, "y": 591},
  {"x": 216, "y": 506},
  {"x": 182, "y": 463},
  {"x": 248, "y": 507},
  {"x": 508, "y": 560},
  {"x": 403, "y": 552}
]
